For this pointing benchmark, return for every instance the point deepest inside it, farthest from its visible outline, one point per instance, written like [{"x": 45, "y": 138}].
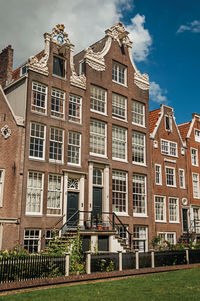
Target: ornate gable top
[
  {"x": 59, "y": 35},
  {"x": 120, "y": 34}
]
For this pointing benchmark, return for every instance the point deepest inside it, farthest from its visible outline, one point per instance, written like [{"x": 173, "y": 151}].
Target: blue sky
[
  {"x": 174, "y": 58},
  {"x": 165, "y": 34}
]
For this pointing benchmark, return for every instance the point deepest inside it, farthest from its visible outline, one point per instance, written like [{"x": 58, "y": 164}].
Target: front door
[
  {"x": 97, "y": 202},
  {"x": 72, "y": 207},
  {"x": 185, "y": 219}
]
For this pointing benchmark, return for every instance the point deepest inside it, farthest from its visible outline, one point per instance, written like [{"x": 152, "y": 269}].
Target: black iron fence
[{"x": 31, "y": 267}]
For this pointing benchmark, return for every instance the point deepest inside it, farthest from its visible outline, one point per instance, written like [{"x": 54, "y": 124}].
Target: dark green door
[
  {"x": 72, "y": 207},
  {"x": 185, "y": 219},
  {"x": 97, "y": 201}
]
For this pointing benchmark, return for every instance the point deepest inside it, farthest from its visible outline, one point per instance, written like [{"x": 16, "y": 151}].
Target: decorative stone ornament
[
  {"x": 184, "y": 201},
  {"x": 120, "y": 34},
  {"x": 59, "y": 36},
  {"x": 6, "y": 132}
]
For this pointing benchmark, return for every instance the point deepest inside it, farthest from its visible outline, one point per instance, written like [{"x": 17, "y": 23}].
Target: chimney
[{"x": 6, "y": 65}]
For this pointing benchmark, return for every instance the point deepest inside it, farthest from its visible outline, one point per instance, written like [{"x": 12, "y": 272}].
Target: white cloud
[
  {"x": 193, "y": 26},
  {"x": 141, "y": 38},
  {"x": 156, "y": 94}
]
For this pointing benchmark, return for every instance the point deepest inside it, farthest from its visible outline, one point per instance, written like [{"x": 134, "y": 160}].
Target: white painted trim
[
  {"x": 174, "y": 176},
  {"x": 160, "y": 180},
  {"x": 190, "y": 128},
  {"x": 164, "y": 208},
  {"x": 181, "y": 169},
  {"x": 177, "y": 215}
]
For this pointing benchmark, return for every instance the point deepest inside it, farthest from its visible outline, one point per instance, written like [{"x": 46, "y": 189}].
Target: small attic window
[
  {"x": 23, "y": 70},
  {"x": 82, "y": 67},
  {"x": 168, "y": 123},
  {"x": 58, "y": 66}
]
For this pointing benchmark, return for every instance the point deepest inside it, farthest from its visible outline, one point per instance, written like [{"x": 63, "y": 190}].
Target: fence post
[
  {"x": 152, "y": 259},
  {"x": 88, "y": 262},
  {"x": 137, "y": 263},
  {"x": 67, "y": 264},
  {"x": 187, "y": 255},
  {"x": 120, "y": 260}
]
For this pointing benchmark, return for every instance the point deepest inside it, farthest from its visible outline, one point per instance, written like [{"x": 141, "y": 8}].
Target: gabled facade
[
  {"x": 190, "y": 133},
  {"x": 86, "y": 146},
  {"x": 169, "y": 175}
]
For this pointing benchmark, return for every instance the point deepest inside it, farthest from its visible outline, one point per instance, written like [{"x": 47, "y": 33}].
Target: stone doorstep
[{"x": 91, "y": 277}]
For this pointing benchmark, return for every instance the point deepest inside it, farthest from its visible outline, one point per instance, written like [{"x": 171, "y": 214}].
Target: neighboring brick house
[
  {"x": 169, "y": 176},
  {"x": 86, "y": 139},
  {"x": 11, "y": 173},
  {"x": 190, "y": 132}
]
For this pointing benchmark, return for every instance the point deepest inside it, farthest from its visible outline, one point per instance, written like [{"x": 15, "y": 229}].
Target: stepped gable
[
  {"x": 153, "y": 118},
  {"x": 183, "y": 129}
]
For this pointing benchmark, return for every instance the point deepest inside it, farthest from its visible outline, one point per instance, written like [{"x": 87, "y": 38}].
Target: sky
[{"x": 165, "y": 35}]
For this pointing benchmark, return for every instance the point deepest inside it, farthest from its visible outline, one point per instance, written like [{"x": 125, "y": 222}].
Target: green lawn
[{"x": 177, "y": 285}]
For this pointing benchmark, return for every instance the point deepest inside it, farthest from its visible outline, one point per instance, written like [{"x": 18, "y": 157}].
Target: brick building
[
  {"x": 190, "y": 132},
  {"x": 169, "y": 176},
  {"x": 86, "y": 143}
]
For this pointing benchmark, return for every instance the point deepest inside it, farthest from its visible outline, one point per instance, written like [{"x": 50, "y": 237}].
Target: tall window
[
  {"x": 119, "y": 106},
  {"x": 168, "y": 123},
  {"x": 197, "y": 135},
  {"x": 2, "y": 174},
  {"x": 97, "y": 137},
  {"x": 140, "y": 238},
  {"x": 173, "y": 210},
  {"x": 56, "y": 144},
  {"x": 138, "y": 148},
  {"x": 119, "y": 143},
  {"x": 139, "y": 194},
  {"x": 168, "y": 236},
  {"x": 37, "y": 140},
  {"x": 74, "y": 148},
  {"x": 39, "y": 97},
  {"x": 57, "y": 103},
  {"x": 58, "y": 66},
  {"x": 194, "y": 156},
  {"x": 32, "y": 239},
  {"x": 158, "y": 174},
  {"x": 98, "y": 99},
  {"x": 54, "y": 196},
  {"x": 97, "y": 177},
  {"x": 34, "y": 192},
  {"x": 160, "y": 209},
  {"x": 168, "y": 148},
  {"x": 119, "y": 73},
  {"x": 182, "y": 178},
  {"x": 75, "y": 105},
  {"x": 195, "y": 182},
  {"x": 119, "y": 191},
  {"x": 170, "y": 176},
  {"x": 138, "y": 113}
]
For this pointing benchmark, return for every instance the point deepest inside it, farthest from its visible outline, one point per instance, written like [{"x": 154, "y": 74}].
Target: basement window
[{"x": 58, "y": 66}]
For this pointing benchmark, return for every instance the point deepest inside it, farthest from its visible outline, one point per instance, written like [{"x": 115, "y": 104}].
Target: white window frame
[
  {"x": 139, "y": 146},
  {"x": 170, "y": 123},
  {"x": 117, "y": 116},
  {"x": 183, "y": 178},
  {"x": 72, "y": 100},
  {"x": 33, "y": 238},
  {"x": 41, "y": 190},
  {"x": 193, "y": 156},
  {"x": 197, "y": 136},
  {"x": 160, "y": 174},
  {"x": 35, "y": 137},
  {"x": 2, "y": 180},
  {"x": 105, "y": 103},
  {"x": 122, "y": 213},
  {"x": 56, "y": 190},
  {"x": 60, "y": 96},
  {"x": 39, "y": 109},
  {"x": 119, "y": 141},
  {"x": 118, "y": 65},
  {"x": 177, "y": 210},
  {"x": 141, "y": 239},
  {"x": 144, "y": 214},
  {"x": 168, "y": 146},
  {"x": 105, "y": 139},
  {"x": 166, "y": 234},
  {"x": 197, "y": 195},
  {"x": 76, "y": 146},
  {"x": 164, "y": 209},
  {"x": 141, "y": 115},
  {"x": 174, "y": 176},
  {"x": 58, "y": 142}
]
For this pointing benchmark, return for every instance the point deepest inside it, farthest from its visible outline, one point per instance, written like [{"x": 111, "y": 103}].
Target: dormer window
[
  {"x": 168, "y": 123},
  {"x": 23, "y": 70},
  {"x": 58, "y": 66}
]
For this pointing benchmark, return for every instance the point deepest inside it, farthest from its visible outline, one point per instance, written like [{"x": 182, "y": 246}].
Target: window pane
[
  {"x": 138, "y": 113},
  {"x": 97, "y": 137},
  {"x": 75, "y": 108},
  {"x": 74, "y": 148},
  {"x": 56, "y": 144},
  {"x": 139, "y": 194},
  {"x": 138, "y": 147},
  {"x": 58, "y": 66},
  {"x": 119, "y": 106},
  {"x": 57, "y": 103},
  {"x": 39, "y": 96},
  {"x": 97, "y": 99},
  {"x": 34, "y": 192},
  {"x": 119, "y": 142},
  {"x": 119, "y": 191},
  {"x": 37, "y": 140}
]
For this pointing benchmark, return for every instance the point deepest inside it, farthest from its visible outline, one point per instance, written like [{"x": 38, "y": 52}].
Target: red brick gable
[
  {"x": 153, "y": 118},
  {"x": 183, "y": 129}
]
